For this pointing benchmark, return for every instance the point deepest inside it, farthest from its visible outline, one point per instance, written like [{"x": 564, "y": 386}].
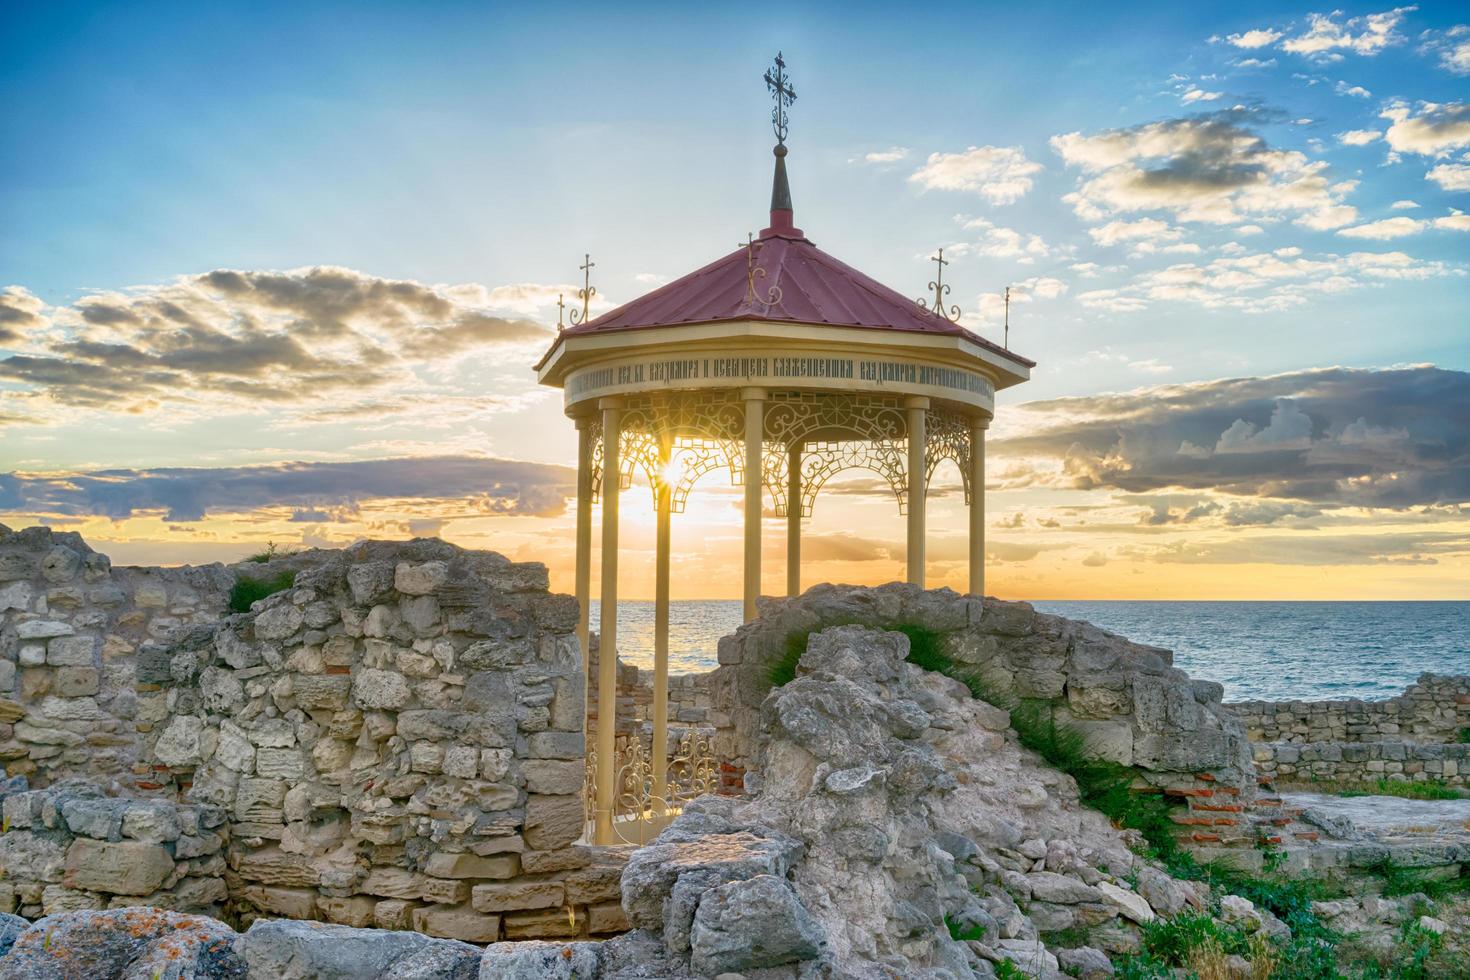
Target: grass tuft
[
  {"x": 248, "y": 591},
  {"x": 1424, "y": 789}
]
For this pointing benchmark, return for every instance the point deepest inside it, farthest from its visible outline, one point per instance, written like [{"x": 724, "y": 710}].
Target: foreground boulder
[
  {"x": 124, "y": 944},
  {"x": 281, "y": 949}
]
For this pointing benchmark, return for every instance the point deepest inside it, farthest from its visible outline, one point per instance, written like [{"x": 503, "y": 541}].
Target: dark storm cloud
[
  {"x": 255, "y": 337},
  {"x": 1331, "y": 437},
  {"x": 485, "y": 485}
]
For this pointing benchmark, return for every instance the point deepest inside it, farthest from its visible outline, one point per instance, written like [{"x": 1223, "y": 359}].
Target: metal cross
[
  {"x": 1007, "y": 343},
  {"x": 784, "y": 95},
  {"x": 941, "y": 290},
  {"x": 773, "y": 295},
  {"x": 587, "y": 291},
  {"x": 560, "y": 309}
]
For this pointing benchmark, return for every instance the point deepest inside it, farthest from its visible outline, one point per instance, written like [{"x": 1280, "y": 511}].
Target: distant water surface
[{"x": 1274, "y": 650}]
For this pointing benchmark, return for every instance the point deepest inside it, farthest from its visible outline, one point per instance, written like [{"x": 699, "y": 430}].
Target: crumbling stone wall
[
  {"x": 398, "y": 739},
  {"x": 1433, "y": 710},
  {"x": 71, "y": 628},
  {"x": 70, "y": 847},
  {"x": 1127, "y": 699},
  {"x": 1416, "y": 736}
]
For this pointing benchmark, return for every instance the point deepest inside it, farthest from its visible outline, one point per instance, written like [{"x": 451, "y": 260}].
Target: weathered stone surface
[
  {"x": 553, "y": 821},
  {"x": 456, "y": 922},
  {"x": 285, "y": 950},
  {"x": 514, "y": 895},
  {"x": 130, "y": 944},
  {"x": 539, "y": 960},
  {"x": 752, "y": 924}
]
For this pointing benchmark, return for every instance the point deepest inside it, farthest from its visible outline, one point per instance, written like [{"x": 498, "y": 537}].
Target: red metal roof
[{"x": 815, "y": 288}]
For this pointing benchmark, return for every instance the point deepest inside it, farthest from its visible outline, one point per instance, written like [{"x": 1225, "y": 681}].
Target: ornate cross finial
[
  {"x": 560, "y": 309},
  {"x": 784, "y": 95},
  {"x": 941, "y": 290},
  {"x": 587, "y": 291},
  {"x": 773, "y": 295}
]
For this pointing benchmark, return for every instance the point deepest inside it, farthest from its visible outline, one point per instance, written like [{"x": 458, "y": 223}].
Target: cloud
[
  {"x": 1207, "y": 168},
  {"x": 1404, "y": 205},
  {"x": 1000, "y": 174},
  {"x": 1358, "y": 137},
  {"x": 243, "y": 340},
  {"x": 1453, "y": 48},
  {"x": 1407, "y": 548},
  {"x": 1356, "y": 91},
  {"x": 1400, "y": 227},
  {"x": 1003, "y": 243},
  {"x": 1258, "y": 282},
  {"x": 1434, "y": 130},
  {"x": 1332, "y": 437},
  {"x": 1149, "y": 229},
  {"x": 20, "y": 313},
  {"x": 1095, "y": 560},
  {"x": 1326, "y": 35},
  {"x": 891, "y": 155},
  {"x": 1199, "y": 95},
  {"x": 485, "y": 486},
  {"x": 1451, "y": 176},
  {"x": 1259, "y": 38}
]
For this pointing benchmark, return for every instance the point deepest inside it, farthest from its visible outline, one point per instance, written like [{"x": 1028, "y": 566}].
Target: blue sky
[{"x": 1179, "y": 195}]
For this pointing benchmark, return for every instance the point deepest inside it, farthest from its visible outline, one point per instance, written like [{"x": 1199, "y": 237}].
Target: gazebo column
[
  {"x": 607, "y": 650},
  {"x": 659, "y": 748},
  {"x": 978, "y": 426},
  {"x": 754, "y": 434},
  {"x": 793, "y": 519},
  {"x": 918, "y": 408},
  {"x": 584, "y": 537}
]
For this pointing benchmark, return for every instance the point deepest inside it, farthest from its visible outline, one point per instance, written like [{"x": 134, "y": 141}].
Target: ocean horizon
[{"x": 1257, "y": 649}]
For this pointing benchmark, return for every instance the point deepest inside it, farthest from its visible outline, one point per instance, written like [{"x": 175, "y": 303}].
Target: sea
[{"x": 1257, "y": 650}]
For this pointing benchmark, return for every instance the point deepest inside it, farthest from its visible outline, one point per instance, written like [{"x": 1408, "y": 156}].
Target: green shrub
[
  {"x": 271, "y": 552},
  {"x": 1400, "y": 880},
  {"x": 961, "y": 933},
  {"x": 1463, "y": 736},
  {"x": 248, "y": 591}
]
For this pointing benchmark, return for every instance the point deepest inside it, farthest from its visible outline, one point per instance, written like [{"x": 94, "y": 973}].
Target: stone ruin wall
[
  {"x": 395, "y": 741},
  {"x": 1415, "y": 736},
  {"x": 1131, "y": 705}
]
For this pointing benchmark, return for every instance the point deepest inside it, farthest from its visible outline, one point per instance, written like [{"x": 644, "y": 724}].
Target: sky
[{"x": 278, "y": 273}]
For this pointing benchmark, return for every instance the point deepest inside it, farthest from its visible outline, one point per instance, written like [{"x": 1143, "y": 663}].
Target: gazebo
[{"x": 782, "y": 366}]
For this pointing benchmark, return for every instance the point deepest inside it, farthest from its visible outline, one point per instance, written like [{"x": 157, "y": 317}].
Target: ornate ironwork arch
[
  {"x": 837, "y": 432},
  {"x": 947, "y": 436}
]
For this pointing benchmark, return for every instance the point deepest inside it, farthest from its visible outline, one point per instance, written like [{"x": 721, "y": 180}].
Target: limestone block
[
  {"x": 278, "y": 622},
  {"x": 234, "y": 751},
  {"x": 443, "y": 864},
  {"x": 121, "y": 868},
  {"x": 553, "y": 822},
  {"x": 151, "y": 821},
  {"x": 380, "y": 689},
  {"x": 598, "y": 883},
  {"x": 392, "y": 883},
  {"x": 456, "y": 922},
  {"x": 546, "y": 862},
  {"x": 426, "y": 757},
  {"x": 69, "y": 682},
  {"x": 71, "y": 651},
  {"x": 556, "y": 745},
  {"x": 553, "y": 776},
  {"x": 1130, "y": 904},
  {"x": 284, "y": 764},
  {"x": 463, "y": 762},
  {"x": 370, "y": 582},
  {"x": 420, "y": 614},
  {"x": 181, "y": 743},
  {"x": 444, "y": 891},
  {"x": 293, "y": 903},
  {"x": 548, "y": 924},
  {"x": 32, "y": 654},
  {"x": 394, "y": 913},
  {"x": 533, "y": 960},
  {"x": 511, "y": 896},
  {"x": 359, "y": 910},
  {"x": 607, "y": 917},
  {"x": 17, "y": 595},
  {"x": 92, "y": 817},
  {"x": 495, "y": 763}
]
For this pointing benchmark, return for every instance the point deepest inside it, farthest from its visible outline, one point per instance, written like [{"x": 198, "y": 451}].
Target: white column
[
  {"x": 754, "y": 435},
  {"x": 607, "y": 651},
  {"x": 584, "y": 536},
  {"x": 918, "y": 407},
  {"x": 793, "y": 519},
  {"x": 660, "y": 751},
  {"x": 977, "y": 505}
]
